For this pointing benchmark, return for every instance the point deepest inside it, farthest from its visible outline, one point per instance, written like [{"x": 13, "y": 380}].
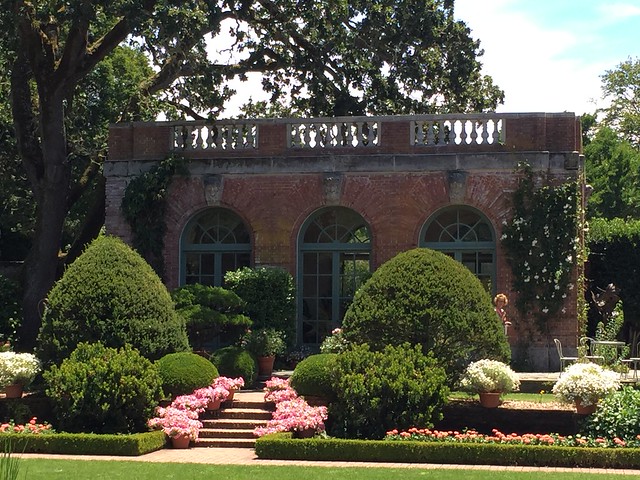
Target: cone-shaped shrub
[
  {"x": 424, "y": 297},
  {"x": 111, "y": 295}
]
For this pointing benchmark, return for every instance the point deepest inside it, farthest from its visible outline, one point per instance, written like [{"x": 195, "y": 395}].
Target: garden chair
[
  {"x": 590, "y": 355},
  {"x": 563, "y": 359},
  {"x": 633, "y": 361}
]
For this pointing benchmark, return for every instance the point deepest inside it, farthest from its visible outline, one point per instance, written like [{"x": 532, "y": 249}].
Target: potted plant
[
  {"x": 489, "y": 379},
  {"x": 212, "y": 396},
  {"x": 181, "y": 426},
  {"x": 585, "y": 384},
  {"x": 17, "y": 370},
  {"x": 265, "y": 344},
  {"x": 232, "y": 385},
  {"x": 296, "y": 416}
]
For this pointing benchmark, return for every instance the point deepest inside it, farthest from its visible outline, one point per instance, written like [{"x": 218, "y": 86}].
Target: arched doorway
[
  {"x": 467, "y": 236},
  {"x": 334, "y": 250},
  {"x": 213, "y": 242}
]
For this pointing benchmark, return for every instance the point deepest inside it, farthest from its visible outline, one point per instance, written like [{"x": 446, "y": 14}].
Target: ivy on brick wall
[
  {"x": 144, "y": 205},
  {"x": 542, "y": 245}
]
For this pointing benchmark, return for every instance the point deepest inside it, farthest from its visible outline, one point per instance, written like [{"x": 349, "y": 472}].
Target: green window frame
[
  {"x": 334, "y": 260},
  {"x": 467, "y": 236},
  {"x": 213, "y": 242}
]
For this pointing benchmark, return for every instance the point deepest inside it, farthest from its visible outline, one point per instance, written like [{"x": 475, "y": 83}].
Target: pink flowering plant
[
  {"x": 175, "y": 422},
  {"x": 472, "y": 436},
  {"x": 193, "y": 402},
  {"x": 275, "y": 383},
  {"x": 277, "y": 396},
  {"x": 33, "y": 427},
  {"x": 229, "y": 383},
  {"x": 211, "y": 394},
  {"x": 294, "y": 415}
]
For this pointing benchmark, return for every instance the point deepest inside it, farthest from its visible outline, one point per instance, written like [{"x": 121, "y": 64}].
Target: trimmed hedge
[
  {"x": 281, "y": 446},
  {"x": 184, "y": 372},
  {"x": 236, "y": 362},
  {"x": 313, "y": 376},
  {"x": 86, "y": 443},
  {"x": 425, "y": 297}
]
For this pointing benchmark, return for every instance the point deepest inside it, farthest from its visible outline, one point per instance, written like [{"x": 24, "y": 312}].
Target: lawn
[
  {"x": 97, "y": 470},
  {"x": 522, "y": 397}
]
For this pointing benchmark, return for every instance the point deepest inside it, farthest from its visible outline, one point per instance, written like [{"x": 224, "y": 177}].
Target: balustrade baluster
[
  {"x": 199, "y": 141},
  {"x": 485, "y": 132},
  {"x": 474, "y": 132}
]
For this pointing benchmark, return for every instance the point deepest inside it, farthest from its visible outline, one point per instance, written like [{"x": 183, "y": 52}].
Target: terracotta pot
[
  {"x": 265, "y": 365},
  {"x": 232, "y": 393},
  {"x": 585, "y": 409},
  {"x": 490, "y": 399},
  {"x": 306, "y": 433},
  {"x": 14, "y": 390},
  {"x": 180, "y": 442},
  {"x": 214, "y": 405}
]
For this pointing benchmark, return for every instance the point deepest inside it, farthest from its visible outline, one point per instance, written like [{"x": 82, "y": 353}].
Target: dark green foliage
[
  {"x": 209, "y": 312},
  {"x": 111, "y": 295},
  {"x": 103, "y": 390},
  {"x": 424, "y": 297},
  {"x": 235, "y": 362},
  {"x": 614, "y": 257},
  {"x": 184, "y": 372},
  {"x": 398, "y": 387},
  {"x": 10, "y": 310},
  {"x": 282, "y": 447},
  {"x": 618, "y": 415},
  {"x": 143, "y": 206},
  {"x": 313, "y": 375},
  {"x": 87, "y": 443},
  {"x": 270, "y": 297}
]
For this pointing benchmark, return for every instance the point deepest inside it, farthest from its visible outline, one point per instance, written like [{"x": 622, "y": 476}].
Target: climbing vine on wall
[
  {"x": 144, "y": 205},
  {"x": 542, "y": 245}
]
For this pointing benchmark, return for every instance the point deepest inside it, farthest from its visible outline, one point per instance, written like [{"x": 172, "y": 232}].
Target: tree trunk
[{"x": 52, "y": 191}]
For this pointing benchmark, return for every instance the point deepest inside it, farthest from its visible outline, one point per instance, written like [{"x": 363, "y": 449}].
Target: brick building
[{"x": 330, "y": 199}]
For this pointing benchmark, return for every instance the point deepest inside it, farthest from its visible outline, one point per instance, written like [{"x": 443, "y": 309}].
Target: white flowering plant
[
  {"x": 587, "y": 382},
  {"x": 18, "y": 368},
  {"x": 487, "y": 375},
  {"x": 542, "y": 244}
]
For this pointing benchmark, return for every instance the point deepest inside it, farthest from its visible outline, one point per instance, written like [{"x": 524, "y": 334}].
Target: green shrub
[
  {"x": 270, "y": 297},
  {"x": 86, "y": 443},
  {"x": 313, "y": 375},
  {"x": 236, "y": 362},
  {"x": 281, "y": 446},
  {"x": 398, "y": 387},
  {"x": 110, "y": 295},
  {"x": 10, "y": 309},
  {"x": 618, "y": 415},
  {"x": 103, "y": 390},
  {"x": 184, "y": 372},
  {"x": 424, "y": 297},
  {"x": 210, "y": 312}
]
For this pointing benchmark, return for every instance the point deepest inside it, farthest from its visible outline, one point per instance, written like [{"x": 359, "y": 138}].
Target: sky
[{"x": 548, "y": 55}]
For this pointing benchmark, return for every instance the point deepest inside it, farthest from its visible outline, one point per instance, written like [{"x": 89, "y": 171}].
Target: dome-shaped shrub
[
  {"x": 236, "y": 362},
  {"x": 103, "y": 390},
  {"x": 313, "y": 375},
  {"x": 184, "y": 372},
  {"x": 424, "y": 297},
  {"x": 111, "y": 295}
]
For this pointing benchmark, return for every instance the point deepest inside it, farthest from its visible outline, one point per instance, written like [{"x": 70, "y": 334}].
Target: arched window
[
  {"x": 213, "y": 242},
  {"x": 334, "y": 261},
  {"x": 466, "y": 235}
]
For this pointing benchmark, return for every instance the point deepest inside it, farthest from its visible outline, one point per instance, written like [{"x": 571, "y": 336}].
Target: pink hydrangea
[
  {"x": 176, "y": 422},
  {"x": 294, "y": 415}
]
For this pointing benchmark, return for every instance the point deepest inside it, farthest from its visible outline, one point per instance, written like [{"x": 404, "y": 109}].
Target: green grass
[
  {"x": 50, "y": 469},
  {"x": 524, "y": 397}
]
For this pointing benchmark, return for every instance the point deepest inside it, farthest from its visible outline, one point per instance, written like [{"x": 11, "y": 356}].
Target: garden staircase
[{"x": 232, "y": 426}]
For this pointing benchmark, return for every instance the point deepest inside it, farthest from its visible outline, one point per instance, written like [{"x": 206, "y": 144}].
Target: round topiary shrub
[
  {"x": 425, "y": 297},
  {"x": 111, "y": 295},
  {"x": 184, "y": 372},
  {"x": 313, "y": 376},
  {"x": 103, "y": 390},
  {"x": 375, "y": 392},
  {"x": 236, "y": 362}
]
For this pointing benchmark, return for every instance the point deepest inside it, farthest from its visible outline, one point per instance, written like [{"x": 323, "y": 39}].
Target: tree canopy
[
  {"x": 74, "y": 66},
  {"x": 621, "y": 86}
]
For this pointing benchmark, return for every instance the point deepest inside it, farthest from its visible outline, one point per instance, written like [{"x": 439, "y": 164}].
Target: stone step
[
  {"x": 240, "y": 423},
  {"x": 226, "y": 442},
  {"x": 226, "y": 433},
  {"x": 244, "y": 413}
]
